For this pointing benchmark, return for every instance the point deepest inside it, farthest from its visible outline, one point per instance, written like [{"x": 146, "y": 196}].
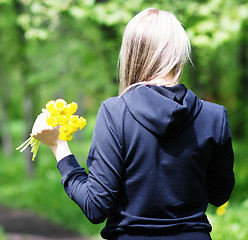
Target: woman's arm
[
  {"x": 95, "y": 193},
  {"x": 220, "y": 172}
]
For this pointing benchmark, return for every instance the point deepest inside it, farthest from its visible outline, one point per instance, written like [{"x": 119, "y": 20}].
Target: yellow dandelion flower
[
  {"x": 65, "y": 133},
  {"x": 74, "y": 119},
  {"x": 63, "y": 137},
  {"x": 67, "y": 111},
  {"x": 65, "y": 130},
  {"x": 62, "y": 119},
  {"x": 50, "y": 106},
  {"x": 73, "y": 107},
  {"x": 54, "y": 113},
  {"x": 71, "y": 128},
  {"x": 222, "y": 209},
  {"x": 69, "y": 138},
  {"x": 60, "y": 104},
  {"x": 52, "y": 121},
  {"x": 82, "y": 123}
]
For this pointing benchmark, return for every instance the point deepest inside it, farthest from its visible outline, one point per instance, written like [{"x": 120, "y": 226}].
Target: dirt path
[{"x": 23, "y": 225}]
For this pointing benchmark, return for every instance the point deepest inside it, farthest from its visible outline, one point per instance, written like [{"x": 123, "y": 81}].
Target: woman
[{"x": 159, "y": 155}]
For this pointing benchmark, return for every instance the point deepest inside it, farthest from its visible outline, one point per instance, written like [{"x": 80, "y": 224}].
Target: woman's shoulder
[
  {"x": 114, "y": 107},
  {"x": 214, "y": 108},
  {"x": 111, "y": 100},
  {"x": 113, "y": 103},
  {"x": 214, "y": 114}
]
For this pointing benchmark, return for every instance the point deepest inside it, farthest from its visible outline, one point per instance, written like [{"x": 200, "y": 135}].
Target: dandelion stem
[
  {"x": 32, "y": 142},
  {"x": 23, "y": 144},
  {"x": 36, "y": 147}
]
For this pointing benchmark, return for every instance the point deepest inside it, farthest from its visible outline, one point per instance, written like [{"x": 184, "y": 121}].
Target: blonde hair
[{"x": 154, "y": 44}]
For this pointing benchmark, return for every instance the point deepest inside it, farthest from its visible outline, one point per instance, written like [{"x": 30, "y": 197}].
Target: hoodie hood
[{"x": 163, "y": 110}]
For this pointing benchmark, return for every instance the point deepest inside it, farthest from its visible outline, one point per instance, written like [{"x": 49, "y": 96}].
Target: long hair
[{"x": 154, "y": 44}]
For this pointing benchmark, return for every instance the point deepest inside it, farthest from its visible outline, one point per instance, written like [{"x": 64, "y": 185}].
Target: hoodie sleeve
[
  {"x": 221, "y": 180},
  {"x": 96, "y": 192}
]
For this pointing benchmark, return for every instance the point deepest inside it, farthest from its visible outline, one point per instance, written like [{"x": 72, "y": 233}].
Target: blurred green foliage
[
  {"x": 2, "y": 235},
  {"x": 69, "y": 49}
]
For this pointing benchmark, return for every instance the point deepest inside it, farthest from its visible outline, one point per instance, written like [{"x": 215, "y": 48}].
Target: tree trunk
[
  {"x": 6, "y": 138},
  {"x": 242, "y": 126},
  {"x": 29, "y": 93}
]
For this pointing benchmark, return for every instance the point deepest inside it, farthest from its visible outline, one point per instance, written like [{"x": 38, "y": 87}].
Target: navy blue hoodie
[{"x": 158, "y": 156}]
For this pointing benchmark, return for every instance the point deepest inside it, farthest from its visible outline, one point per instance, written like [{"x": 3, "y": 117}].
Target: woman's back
[{"x": 170, "y": 140}]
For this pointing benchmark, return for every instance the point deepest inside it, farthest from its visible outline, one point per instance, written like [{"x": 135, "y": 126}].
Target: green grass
[
  {"x": 232, "y": 225},
  {"x": 44, "y": 194}
]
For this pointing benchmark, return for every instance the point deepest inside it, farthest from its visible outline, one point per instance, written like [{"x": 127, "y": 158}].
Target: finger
[
  {"x": 45, "y": 111},
  {"x": 40, "y": 124}
]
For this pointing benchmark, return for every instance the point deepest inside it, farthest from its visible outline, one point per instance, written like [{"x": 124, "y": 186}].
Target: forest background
[{"x": 69, "y": 49}]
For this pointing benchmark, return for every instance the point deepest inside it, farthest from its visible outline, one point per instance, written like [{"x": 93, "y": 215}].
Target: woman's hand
[
  {"x": 43, "y": 132},
  {"x": 49, "y": 136}
]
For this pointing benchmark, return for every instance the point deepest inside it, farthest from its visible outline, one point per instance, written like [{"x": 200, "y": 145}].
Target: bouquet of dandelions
[{"x": 60, "y": 114}]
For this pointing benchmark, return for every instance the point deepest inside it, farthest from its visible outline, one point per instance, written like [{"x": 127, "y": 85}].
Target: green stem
[{"x": 23, "y": 144}]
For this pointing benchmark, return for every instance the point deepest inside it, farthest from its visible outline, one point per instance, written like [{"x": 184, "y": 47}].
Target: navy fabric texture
[
  {"x": 158, "y": 156},
  {"x": 170, "y": 236}
]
